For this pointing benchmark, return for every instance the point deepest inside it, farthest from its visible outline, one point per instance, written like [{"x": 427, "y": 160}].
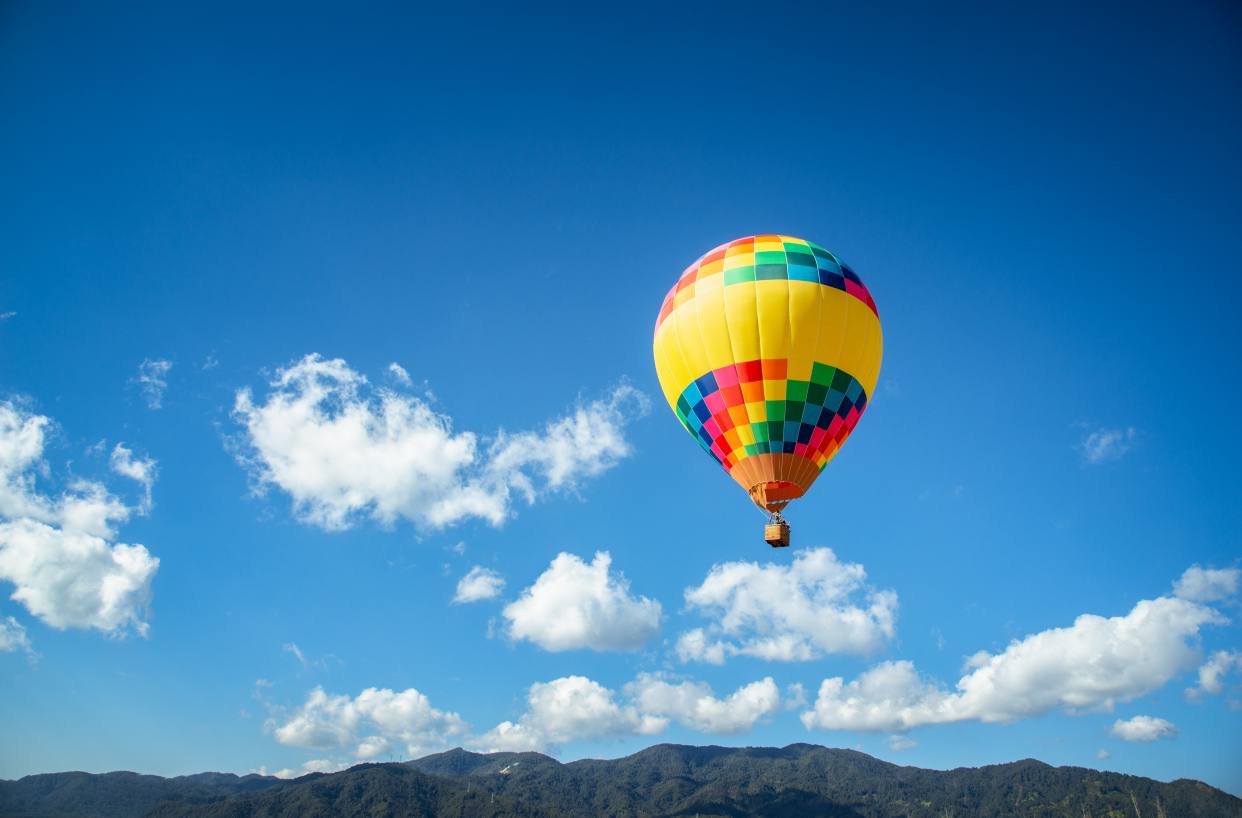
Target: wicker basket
[{"x": 777, "y": 535}]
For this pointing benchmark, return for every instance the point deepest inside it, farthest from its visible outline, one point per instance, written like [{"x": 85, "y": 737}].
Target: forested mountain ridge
[{"x": 665, "y": 780}]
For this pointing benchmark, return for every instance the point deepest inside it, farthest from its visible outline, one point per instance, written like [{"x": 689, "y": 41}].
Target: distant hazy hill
[{"x": 666, "y": 780}]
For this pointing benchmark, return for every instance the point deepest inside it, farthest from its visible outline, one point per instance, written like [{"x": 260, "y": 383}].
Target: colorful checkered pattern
[
  {"x": 813, "y": 420},
  {"x": 768, "y": 349}
]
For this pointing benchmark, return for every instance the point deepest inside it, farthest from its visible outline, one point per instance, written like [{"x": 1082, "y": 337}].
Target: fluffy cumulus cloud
[
  {"x": 568, "y": 709},
  {"x": 573, "y": 708},
  {"x": 578, "y": 605},
  {"x": 343, "y": 450},
  {"x": 151, "y": 379},
  {"x": 694, "y": 705},
  {"x": 1143, "y": 728},
  {"x": 58, "y": 552},
  {"x": 1091, "y": 665},
  {"x": 1106, "y": 444},
  {"x": 814, "y": 606},
  {"x": 480, "y": 583},
  {"x": 576, "y": 708},
  {"x": 376, "y": 721},
  {"x": 1207, "y": 584}
]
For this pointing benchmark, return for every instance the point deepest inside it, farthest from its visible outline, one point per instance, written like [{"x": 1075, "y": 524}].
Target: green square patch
[
  {"x": 793, "y": 409},
  {"x": 739, "y": 274},
  {"x": 841, "y": 381},
  {"x": 804, "y": 259},
  {"x": 776, "y": 430},
  {"x": 822, "y": 374},
  {"x": 770, "y": 257},
  {"x": 815, "y": 394},
  {"x": 796, "y": 390},
  {"x": 775, "y": 410},
  {"x": 771, "y": 272},
  {"x": 760, "y": 431}
]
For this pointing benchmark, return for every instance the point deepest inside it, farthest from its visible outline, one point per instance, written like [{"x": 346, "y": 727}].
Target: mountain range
[{"x": 664, "y": 780}]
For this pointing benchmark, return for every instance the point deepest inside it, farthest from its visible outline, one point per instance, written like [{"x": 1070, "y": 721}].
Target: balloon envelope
[{"x": 768, "y": 349}]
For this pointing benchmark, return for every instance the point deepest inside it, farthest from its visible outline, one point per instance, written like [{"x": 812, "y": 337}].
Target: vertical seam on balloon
[
  {"x": 879, "y": 346},
  {"x": 733, "y": 358},
  {"x": 788, "y": 352},
  {"x": 819, "y": 296},
  {"x": 857, "y": 365}
]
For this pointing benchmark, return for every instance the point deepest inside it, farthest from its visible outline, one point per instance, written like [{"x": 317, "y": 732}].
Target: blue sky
[{"x": 330, "y": 428}]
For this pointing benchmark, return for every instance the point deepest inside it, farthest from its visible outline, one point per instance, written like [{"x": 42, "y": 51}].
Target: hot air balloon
[{"x": 768, "y": 349}]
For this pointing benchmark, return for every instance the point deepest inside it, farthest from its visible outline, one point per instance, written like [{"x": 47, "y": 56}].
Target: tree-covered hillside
[{"x": 665, "y": 780}]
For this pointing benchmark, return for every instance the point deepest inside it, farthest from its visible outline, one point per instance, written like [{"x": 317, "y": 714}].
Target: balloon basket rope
[{"x": 776, "y": 532}]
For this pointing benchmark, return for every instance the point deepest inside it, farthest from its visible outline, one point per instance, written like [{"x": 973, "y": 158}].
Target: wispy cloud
[
  {"x": 399, "y": 374},
  {"x": 1103, "y": 445},
  {"x": 13, "y": 638},
  {"x": 143, "y": 470},
  {"x": 151, "y": 379},
  {"x": 1212, "y": 674}
]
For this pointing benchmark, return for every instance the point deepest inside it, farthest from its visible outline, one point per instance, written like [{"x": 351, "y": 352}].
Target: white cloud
[
  {"x": 342, "y": 451},
  {"x": 1091, "y": 665},
  {"x": 1207, "y": 584},
  {"x": 144, "y": 471},
  {"x": 568, "y": 709},
  {"x": 1106, "y": 444},
  {"x": 575, "y": 605},
  {"x": 56, "y": 551},
  {"x": 398, "y": 372},
  {"x": 151, "y": 377},
  {"x": 573, "y": 708},
  {"x": 798, "y": 612},
  {"x": 480, "y": 583},
  {"x": 1103, "y": 755},
  {"x": 315, "y": 765},
  {"x": 1143, "y": 728},
  {"x": 1212, "y": 673},
  {"x": 374, "y": 722},
  {"x": 13, "y": 637},
  {"x": 291, "y": 647},
  {"x": 694, "y": 705},
  {"x": 898, "y": 743}
]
